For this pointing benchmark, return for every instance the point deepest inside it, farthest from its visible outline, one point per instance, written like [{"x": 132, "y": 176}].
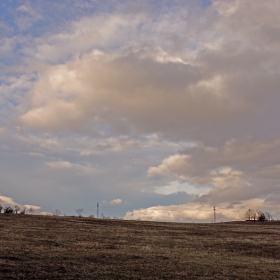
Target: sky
[{"x": 156, "y": 110}]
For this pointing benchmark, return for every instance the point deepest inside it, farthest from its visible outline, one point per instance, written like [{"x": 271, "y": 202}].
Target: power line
[{"x": 214, "y": 214}]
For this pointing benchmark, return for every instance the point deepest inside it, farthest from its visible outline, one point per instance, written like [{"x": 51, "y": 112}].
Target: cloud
[
  {"x": 66, "y": 165},
  {"x": 203, "y": 95},
  {"x": 174, "y": 187},
  {"x": 160, "y": 97},
  {"x": 26, "y": 16},
  {"x": 153, "y": 94},
  {"x": 46, "y": 213},
  {"x": 28, "y": 206},
  {"x": 116, "y": 201},
  {"x": 176, "y": 164},
  {"x": 202, "y": 212},
  {"x": 8, "y": 201},
  {"x": 2, "y": 130},
  {"x": 88, "y": 146},
  {"x": 237, "y": 171}
]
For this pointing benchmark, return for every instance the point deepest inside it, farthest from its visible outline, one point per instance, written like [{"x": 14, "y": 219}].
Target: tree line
[
  {"x": 250, "y": 214},
  {"x": 256, "y": 215},
  {"x": 16, "y": 210}
]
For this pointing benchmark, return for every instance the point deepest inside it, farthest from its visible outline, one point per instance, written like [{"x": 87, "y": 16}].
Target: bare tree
[
  {"x": 31, "y": 210},
  {"x": 268, "y": 216},
  {"x": 261, "y": 216},
  {"x": 23, "y": 211},
  {"x": 1, "y": 208},
  {"x": 17, "y": 209},
  {"x": 91, "y": 216},
  {"x": 57, "y": 212},
  {"x": 250, "y": 215},
  {"x": 105, "y": 217},
  {"x": 8, "y": 210},
  {"x": 80, "y": 212}
]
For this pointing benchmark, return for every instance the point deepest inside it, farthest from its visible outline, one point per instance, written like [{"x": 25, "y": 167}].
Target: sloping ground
[{"x": 39, "y": 247}]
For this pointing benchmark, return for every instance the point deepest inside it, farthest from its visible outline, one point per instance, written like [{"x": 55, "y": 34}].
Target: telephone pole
[
  {"x": 214, "y": 214},
  {"x": 97, "y": 210}
]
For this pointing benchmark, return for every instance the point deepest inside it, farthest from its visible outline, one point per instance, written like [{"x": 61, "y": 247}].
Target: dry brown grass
[{"x": 40, "y": 247}]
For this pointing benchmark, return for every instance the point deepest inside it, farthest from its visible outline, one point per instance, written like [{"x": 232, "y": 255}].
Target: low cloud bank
[
  {"x": 202, "y": 212},
  {"x": 9, "y": 202}
]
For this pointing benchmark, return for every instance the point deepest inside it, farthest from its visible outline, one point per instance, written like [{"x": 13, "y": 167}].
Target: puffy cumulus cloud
[
  {"x": 204, "y": 93},
  {"x": 176, "y": 164},
  {"x": 236, "y": 171},
  {"x": 172, "y": 213},
  {"x": 116, "y": 201},
  {"x": 207, "y": 76},
  {"x": 202, "y": 212},
  {"x": 7, "y": 200},
  {"x": 124, "y": 93},
  {"x": 33, "y": 207}
]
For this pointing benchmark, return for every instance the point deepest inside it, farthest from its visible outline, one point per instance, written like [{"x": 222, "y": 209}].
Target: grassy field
[{"x": 41, "y": 247}]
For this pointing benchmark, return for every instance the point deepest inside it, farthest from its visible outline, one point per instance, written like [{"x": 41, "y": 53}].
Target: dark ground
[{"x": 41, "y": 247}]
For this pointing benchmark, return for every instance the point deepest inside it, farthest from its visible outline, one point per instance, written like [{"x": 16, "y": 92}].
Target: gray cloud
[{"x": 149, "y": 95}]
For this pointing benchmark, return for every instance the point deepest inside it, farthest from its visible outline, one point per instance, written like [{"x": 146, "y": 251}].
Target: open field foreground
[{"x": 41, "y": 247}]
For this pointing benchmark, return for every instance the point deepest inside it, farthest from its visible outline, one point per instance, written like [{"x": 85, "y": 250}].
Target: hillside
[{"x": 41, "y": 247}]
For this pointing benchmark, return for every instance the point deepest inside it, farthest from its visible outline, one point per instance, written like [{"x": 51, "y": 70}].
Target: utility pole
[
  {"x": 214, "y": 214},
  {"x": 97, "y": 210}
]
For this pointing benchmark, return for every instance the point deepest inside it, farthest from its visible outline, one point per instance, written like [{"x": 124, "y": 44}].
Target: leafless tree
[
  {"x": 91, "y": 216},
  {"x": 17, "y": 209},
  {"x": 255, "y": 215},
  {"x": 250, "y": 215},
  {"x": 261, "y": 216},
  {"x": 23, "y": 211},
  {"x": 31, "y": 210},
  {"x": 57, "y": 212},
  {"x": 105, "y": 217},
  {"x": 80, "y": 212},
  {"x": 8, "y": 210},
  {"x": 268, "y": 216},
  {"x": 1, "y": 208}
]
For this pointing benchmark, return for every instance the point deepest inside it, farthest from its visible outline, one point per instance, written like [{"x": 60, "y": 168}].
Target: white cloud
[
  {"x": 45, "y": 213},
  {"x": 8, "y": 201},
  {"x": 236, "y": 171},
  {"x": 177, "y": 165},
  {"x": 202, "y": 212},
  {"x": 35, "y": 208},
  {"x": 176, "y": 186},
  {"x": 116, "y": 201}
]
